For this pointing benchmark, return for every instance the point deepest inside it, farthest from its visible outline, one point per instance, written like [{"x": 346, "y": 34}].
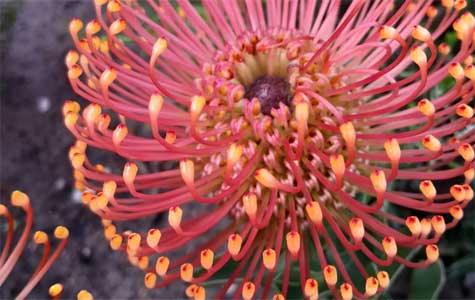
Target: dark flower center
[{"x": 270, "y": 91}]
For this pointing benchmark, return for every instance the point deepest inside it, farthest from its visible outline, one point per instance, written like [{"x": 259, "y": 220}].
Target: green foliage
[{"x": 427, "y": 283}]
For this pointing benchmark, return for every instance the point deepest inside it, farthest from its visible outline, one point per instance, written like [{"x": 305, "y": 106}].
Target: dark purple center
[{"x": 270, "y": 91}]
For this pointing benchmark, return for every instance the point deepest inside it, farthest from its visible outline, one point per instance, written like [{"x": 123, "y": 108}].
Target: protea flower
[{"x": 292, "y": 123}]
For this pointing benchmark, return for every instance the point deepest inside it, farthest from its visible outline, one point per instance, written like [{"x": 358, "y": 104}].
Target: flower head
[{"x": 292, "y": 126}]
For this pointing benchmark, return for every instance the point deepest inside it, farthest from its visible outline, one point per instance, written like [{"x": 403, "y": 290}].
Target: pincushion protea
[
  {"x": 292, "y": 122},
  {"x": 12, "y": 248}
]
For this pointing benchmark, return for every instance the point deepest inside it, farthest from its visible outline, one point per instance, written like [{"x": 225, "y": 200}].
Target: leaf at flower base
[
  {"x": 427, "y": 283},
  {"x": 461, "y": 267}
]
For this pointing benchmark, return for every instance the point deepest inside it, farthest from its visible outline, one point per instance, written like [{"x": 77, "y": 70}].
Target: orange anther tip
[
  {"x": 191, "y": 290},
  {"x": 378, "y": 180},
  {"x": 388, "y": 32},
  {"x": 314, "y": 212},
  {"x": 40, "y": 237},
  {"x": 197, "y": 105},
  {"x": 302, "y": 112},
  {"x": 109, "y": 188},
  {"x": 20, "y": 199},
  {"x": 56, "y": 290},
  {"x": 444, "y": 49},
  {"x": 458, "y": 192},
  {"x": 311, "y": 288},
  {"x": 448, "y": 3},
  {"x": 249, "y": 202},
  {"x": 78, "y": 160},
  {"x": 469, "y": 70},
  {"x": 110, "y": 231},
  {"x": 161, "y": 266},
  {"x": 207, "y": 259},
  {"x": 265, "y": 177},
  {"x": 150, "y": 279},
  {"x": 186, "y": 272},
  {"x": 70, "y": 106},
  {"x": 115, "y": 242},
  {"x": 119, "y": 134},
  {"x": 371, "y": 286},
  {"x": 337, "y": 164},
  {"x": 460, "y": 4},
  {"x": 330, "y": 275},
  {"x": 346, "y": 291},
  {"x": 61, "y": 232},
  {"x": 431, "y": 143},
  {"x": 234, "y": 154},
  {"x": 418, "y": 55},
  {"x": 432, "y": 253},
  {"x": 468, "y": 192},
  {"x": 130, "y": 172},
  {"x": 84, "y": 295},
  {"x": 414, "y": 225},
  {"x": 159, "y": 47},
  {"x": 114, "y": 6},
  {"x": 71, "y": 58},
  {"x": 248, "y": 290},
  {"x": 269, "y": 258},
  {"x": 91, "y": 113},
  {"x": 469, "y": 175},
  {"x": 383, "y": 278},
  {"x": 103, "y": 123},
  {"x": 456, "y": 71},
  {"x": 170, "y": 137},
  {"x": 278, "y": 297},
  {"x": 432, "y": 12},
  {"x": 155, "y": 105},
  {"x": 389, "y": 246},
  {"x": 426, "y": 107},
  {"x": 293, "y": 242},
  {"x": 117, "y": 26},
  {"x": 93, "y": 27},
  {"x": 74, "y": 72},
  {"x": 187, "y": 170},
  {"x": 438, "y": 223},
  {"x": 3, "y": 210},
  {"x": 200, "y": 293},
  {"x": 153, "y": 237},
  {"x": 467, "y": 152},
  {"x": 348, "y": 133},
  {"x": 393, "y": 150},
  {"x": 456, "y": 212},
  {"x": 464, "y": 111},
  {"x": 234, "y": 244},
  {"x": 75, "y": 25},
  {"x": 133, "y": 241},
  {"x": 143, "y": 263},
  {"x": 428, "y": 189},
  {"x": 100, "y": 2},
  {"x": 420, "y": 33},
  {"x": 357, "y": 229},
  {"x": 175, "y": 214}
]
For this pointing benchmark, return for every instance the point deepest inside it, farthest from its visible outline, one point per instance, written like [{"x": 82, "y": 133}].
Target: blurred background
[{"x": 33, "y": 158}]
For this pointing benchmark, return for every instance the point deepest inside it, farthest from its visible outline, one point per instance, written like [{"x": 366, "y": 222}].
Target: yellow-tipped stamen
[
  {"x": 109, "y": 188},
  {"x": 428, "y": 189},
  {"x": 265, "y": 177},
  {"x": 464, "y": 111},
  {"x": 337, "y": 164},
  {"x": 346, "y": 291},
  {"x": 330, "y": 275},
  {"x": 278, "y": 297},
  {"x": 115, "y": 242},
  {"x": 357, "y": 229},
  {"x": 293, "y": 243},
  {"x": 153, "y": 237},
  {"x": 200, "y": 293},
  {"x": 389, "y": 246},
  {"x": 468, "y": 192},
  {"x": 72, "y": 57},
  {"x": 190, "y": 291},
  {"x": 438, "y": 224},
  {"x": 383, "y": 279},
  {"x": 129, "y": 173},
  {"x": 311, "y": 288},
  {"x": 431, "y": 143},
  {"x": 348, "y": 133},
  {"x": 155, "y": 106},
  {"x": 110, "y": 231},
  {"x": 77, "y": 160},
  {"x": 378, "y": 180},
  {"x": 196, "y": 107},
  {"x": 158, "y": 48},
  {"x": 371, "y": 286},
  {"x": 74, "y": 72},
  {"x": 421, "y": 34},
  {"x": 457, "y": 191},
  {"x": 117, "y": 26},
  {"x": 61, "y": 232},
  {"x": 233, "y": 156},
  {"x": 20, "y": 199},
  {"x": 234, "y": 244},
  {"x": 84, "y": 295},
  {"x": 150, "y": 280},
  {"x": 426, "y": 107},
  {"x": 113, "y": 6},
  {"x": 75, "y": 26},
  {"x": 467, "y": 152},
  {"x": 56, "y": 290},
  {"x": 161, "y": 266},
  {"x": 170, "y": 137},
  {"x": 175, "y": 214},
  {"x": 414, "y": 225},
  {"x": 418, "y": 56},
  {"x": 388, "y": 32},
  {"x": 207, "y": 259},
  {"x": 426, "y": 227},
  {"x": 187, "y": 170},
  {"x": 249, "y": 202},
  {"x": 469, "y": 71},
  {"x": 93, "y": 27},
  {"x": 393, "y": 150},
  {"x": 432, "y": 253},
  {"x": 469, "y": 175},
  {"x": 119, "y": 134},
  {"x": 314, "y": 212},
  {"x": 40, "y": 237},
  {"x": 186, "y": 272},
  {"x": 269, "y": 259},
  {"x": 248, "y": 290},
  {"x": 143, "y": 262},
  {"x": 456, "y": 212},
  {"x": 456, "y": 71},
  {"x": 133, "y": 241}
]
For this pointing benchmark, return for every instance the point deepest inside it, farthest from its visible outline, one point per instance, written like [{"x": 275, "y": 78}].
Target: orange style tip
[
  {"x": 456, "y": 212},
  {"x": 119, "y": 134},
  {"x": 109, "y": 188},
  {"x": 186, "y": 272},
  {"x": 348, "y": 133},
  {"x": 293, "y": 242},
  {"x": 187, "y": 170},
  {"x": 337, "y": 164},
  {"x": 464, "y": 111},
  {"x": 170, "y": 137},
  {"x": 100, "y": 2},
  {"x": 72, "y": 57},
  {"x": 330, "y": 275},
  {"x": 432, "y": 12},
  {"x": 448, "y": 3},
  {"x": 249, "y": 202},
  {"x": 130, "y": 172},
  {"x": 159, "y": 47},
  {"x": 234, "y": 244},
  {"x": 197, "y": 105},
  {"x": 191, "y": 290},
  {"x": 265, "y": 177},
  {"x": 175, "y": 214},
  {"x": 248, "y": 290},
  {"x": 115, "y": 242},
  {"x": 117, "y": 26},
  {"x": 314, "y": 212},
  {"x": 56, "y": 290},
  {"x": 302, "y": 112},
  {"x": 371, "y": 286},
  {"x": 470, "y": 71},
  {"x": 153, "y": 237},
  {"x": 438, "y": 224},
  {"x": 346, "y": 291},
  {"x": 311, "y": 288},
  {"x": 383, "y": 279},
  {"x": 150, "y": 279},
  {"x": 378, "y": 180},
  {"x": 103, "y": 123},
  {"x": 61, "y": 232},
  {"x": 207, "y": 259},
  {"x": 456, "y": 71},
  {"x": 77, "y": 160},
  {"x": 109, "y": 231},
  {"x": 467, "y": 152},
  {"x": 388, "y": 32},
  {"x": 74, "y": 72},
  {"x": 155, "y": 105},
  {"x": 40, "y": 237},
  {"x": 70, "y": 106},
  {"x": 444, "y": 49},
  {"x": 113, "y": 6},
  {"x": 93, "y": 27},
  {"x": 421, "y": 34},
  {"x": 3, "y": 210},
  {"x": 357, "y": 229},
  {"x": 143, "y": 263},
  {"x": 70, "y": 120},
  {"x": 428, "y": 189},
  {"x": 426, "y": 226},
  {"x": 418, "y": 56},
  {"x": 431, "y": 143},
  {"x": 389, "y": 246},
  {"x": 200, "y": 293},
  {"x": 234, "y": 154},
  {"x": 426, "y": 107},
  {"x": 393, "y": 150},
  {"x": 20, "y": 199},
  {"x": 458, "y": 192},
  {"x": 133, "y": 241},
  {"x": 468, "y": 192},
  {"x": 469, "y": 175},
  {"x": 161, "y": 266},
  {"x": 432, "y": 253},
  {"x": 278, "y": 297},
  {"x": 84, "y": 295},
  {"x": 75, "y": 25},
  {"x": 460, "y": 4},
  {"x": 91, "y": 113},
  {"x": 269, "y": 258},
  {"x": 107, "y": 77}
]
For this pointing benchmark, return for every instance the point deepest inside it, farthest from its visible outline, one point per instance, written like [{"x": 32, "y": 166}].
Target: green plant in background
[{"x": 306, "y": 149}]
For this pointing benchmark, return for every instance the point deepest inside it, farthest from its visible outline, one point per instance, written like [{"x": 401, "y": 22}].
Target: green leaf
[
  {"x": 461, "y": 267},
  {"x": 427, "y": 283}
]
